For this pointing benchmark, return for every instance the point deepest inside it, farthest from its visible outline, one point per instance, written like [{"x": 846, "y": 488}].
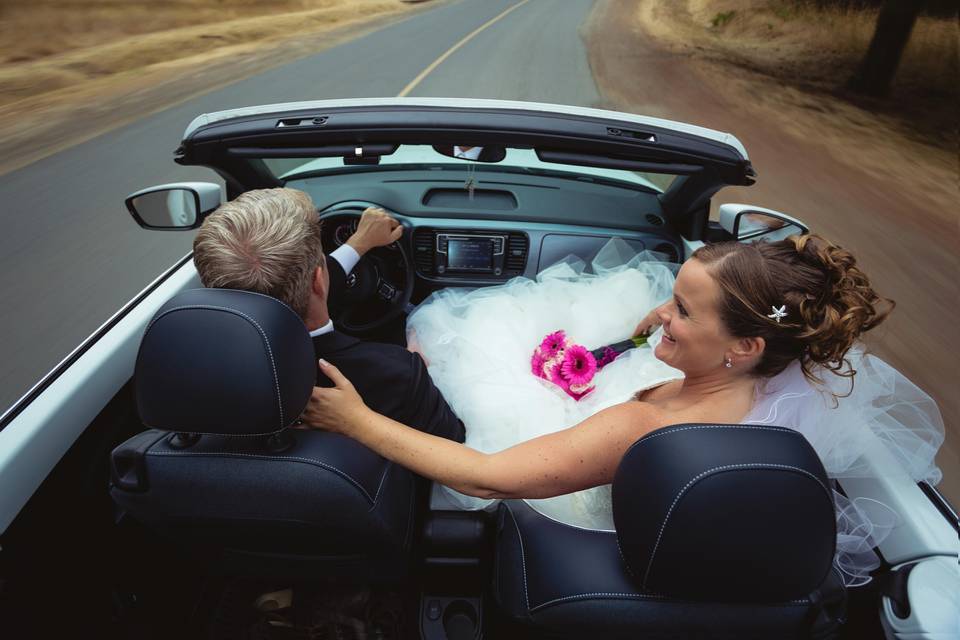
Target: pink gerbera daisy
[
  {"x": 554, "y": 374},
  {"x": 579, "y": 365},
  {"x": 536, "y": 365},
  {"x": 552, "y": 345},
  {"x": 550, "y": 367}
]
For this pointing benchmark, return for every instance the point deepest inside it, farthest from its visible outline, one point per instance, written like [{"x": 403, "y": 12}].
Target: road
[{"x": 70, "y": 255}]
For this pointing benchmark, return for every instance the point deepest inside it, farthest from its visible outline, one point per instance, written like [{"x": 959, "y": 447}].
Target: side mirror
[
  {"x": 486, "y": 153},
  {"x": 747, "y": 222},
  {"x": 177, "y": 206}
]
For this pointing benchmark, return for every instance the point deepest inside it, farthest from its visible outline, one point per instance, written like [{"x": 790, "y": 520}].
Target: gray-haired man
[{"x": 268, "y": 241}]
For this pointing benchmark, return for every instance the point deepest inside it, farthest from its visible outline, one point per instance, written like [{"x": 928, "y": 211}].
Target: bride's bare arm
[{"x": 583, "y": 456}]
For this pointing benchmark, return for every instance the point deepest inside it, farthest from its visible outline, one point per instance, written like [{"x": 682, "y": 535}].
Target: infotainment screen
[{"x": 470, "y": 255}]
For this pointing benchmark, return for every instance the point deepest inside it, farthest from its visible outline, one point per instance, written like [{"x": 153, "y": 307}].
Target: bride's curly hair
[{"x": 828, "y": 300}]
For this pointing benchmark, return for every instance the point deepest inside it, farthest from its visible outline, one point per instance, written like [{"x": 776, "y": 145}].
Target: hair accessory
[{"x": 778, "y": 313}]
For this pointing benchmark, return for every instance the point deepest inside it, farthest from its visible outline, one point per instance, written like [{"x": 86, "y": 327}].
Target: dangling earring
[{"x": 728, "y": 364}]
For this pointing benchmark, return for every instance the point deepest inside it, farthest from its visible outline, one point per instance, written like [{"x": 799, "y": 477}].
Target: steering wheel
[{"x": 379, "y": 288}]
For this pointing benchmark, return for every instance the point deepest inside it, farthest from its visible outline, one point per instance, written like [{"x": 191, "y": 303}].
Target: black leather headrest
[
  {"x": 732, "y": 513},
  {"x": 226, "y": 362}
]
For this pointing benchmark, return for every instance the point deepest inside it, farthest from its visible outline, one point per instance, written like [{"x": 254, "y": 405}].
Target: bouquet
[{"x": 572, "y": 366}]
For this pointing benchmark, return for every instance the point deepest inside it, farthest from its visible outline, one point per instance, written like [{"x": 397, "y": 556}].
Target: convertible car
[{"x": 152, "y": 485}]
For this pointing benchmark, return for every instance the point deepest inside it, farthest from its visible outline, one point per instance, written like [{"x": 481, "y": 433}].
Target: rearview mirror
[
  {"x": 747, "y": 222},
  {"x": 177, "y": 206},
  {"x": 477, "y": 154}
]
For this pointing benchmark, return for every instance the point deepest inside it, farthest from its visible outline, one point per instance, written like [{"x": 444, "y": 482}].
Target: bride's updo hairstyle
[{"x": 828, "y": 300}]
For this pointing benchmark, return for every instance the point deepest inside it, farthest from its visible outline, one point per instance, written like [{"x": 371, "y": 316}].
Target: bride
[{"x": 751, "y": 333}]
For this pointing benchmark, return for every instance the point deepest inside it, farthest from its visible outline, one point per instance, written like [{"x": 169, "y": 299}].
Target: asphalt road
[{"x": 69, "y": 253}]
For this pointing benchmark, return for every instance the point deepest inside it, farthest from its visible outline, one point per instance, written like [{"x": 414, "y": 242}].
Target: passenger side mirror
[
  {"x": 747, "y": 222},
  {"x": 178, "y": 206},
  {"x": 485, "y": 153}
]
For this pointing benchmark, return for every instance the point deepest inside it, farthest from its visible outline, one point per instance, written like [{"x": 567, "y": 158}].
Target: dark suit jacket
[
  {"x": 338, "y": 284},
  {"x": 391, "y": 381}
]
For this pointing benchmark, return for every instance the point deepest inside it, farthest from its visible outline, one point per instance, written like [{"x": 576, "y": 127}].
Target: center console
[
  {"x": 464, "y": 254},
  {"x": 475, "y": 254}
]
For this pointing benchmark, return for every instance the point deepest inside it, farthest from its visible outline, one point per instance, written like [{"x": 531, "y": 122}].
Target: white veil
[{"x": 882, "y": 406}]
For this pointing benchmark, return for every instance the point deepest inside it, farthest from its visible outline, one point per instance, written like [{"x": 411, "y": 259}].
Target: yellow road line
[{"x": 436, "y": 63}]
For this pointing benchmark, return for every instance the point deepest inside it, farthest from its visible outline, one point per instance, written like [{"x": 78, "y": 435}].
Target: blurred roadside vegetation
[
  {"x": 825, "y": 46},
  {"x": 32, "y": 29},
  {"x": 49, "y": 45}
]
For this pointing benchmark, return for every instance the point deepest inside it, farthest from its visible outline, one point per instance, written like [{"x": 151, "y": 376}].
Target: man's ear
[
  {"x": 319, "y": 282},
  {"x": 749, "y": 348}
]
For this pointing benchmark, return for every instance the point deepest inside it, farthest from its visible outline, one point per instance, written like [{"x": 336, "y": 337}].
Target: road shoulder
[{"x": 42, "y": 125}]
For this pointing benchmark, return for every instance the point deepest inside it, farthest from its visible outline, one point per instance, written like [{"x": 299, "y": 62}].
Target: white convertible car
[{"x": 243, "y": 528}]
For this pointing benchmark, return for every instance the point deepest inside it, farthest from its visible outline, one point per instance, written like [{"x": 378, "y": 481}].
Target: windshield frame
[
  {"x": 233, "y": 143},
  {"x": 517, "y": 161}
]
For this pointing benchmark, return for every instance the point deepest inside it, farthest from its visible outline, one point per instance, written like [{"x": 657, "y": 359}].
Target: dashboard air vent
[
  {"x": 423, "y": 250},
  {"x": 668, "y": 253},
  {"x": 516, "y": 260},
  {"x": 654, "y": 220}
]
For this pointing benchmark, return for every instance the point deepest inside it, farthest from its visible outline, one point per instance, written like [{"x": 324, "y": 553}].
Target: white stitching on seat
[
  {"x": 319, "y": 463},
  {"x": 643, "y": 596},
  {"x": 263, "y": 334},
  {"x": 523, "y": 559},
  {"x": 668, "y": 430},
  {"x": 679, "y": 495},
  {"x": 623, "y": 559},
  {"x": 601, "y": 594},
  {"x": 383, "y": 477}
]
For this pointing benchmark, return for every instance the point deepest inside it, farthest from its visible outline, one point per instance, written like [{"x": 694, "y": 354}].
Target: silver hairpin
[{"x": 778, "y": 313}]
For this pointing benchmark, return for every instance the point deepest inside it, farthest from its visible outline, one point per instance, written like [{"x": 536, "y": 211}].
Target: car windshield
[{"x": 425, "y": 156}]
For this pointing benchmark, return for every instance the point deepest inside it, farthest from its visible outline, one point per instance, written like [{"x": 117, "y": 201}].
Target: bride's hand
[
  {"x": 648, "y": 325},
  {"x": 338, "y": 409}
]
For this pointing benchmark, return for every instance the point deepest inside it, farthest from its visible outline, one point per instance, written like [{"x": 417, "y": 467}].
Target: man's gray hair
[{"x": 266, "y": 241}]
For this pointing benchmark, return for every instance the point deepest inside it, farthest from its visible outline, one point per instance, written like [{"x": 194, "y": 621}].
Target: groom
[{"x": 268, "y": 241}]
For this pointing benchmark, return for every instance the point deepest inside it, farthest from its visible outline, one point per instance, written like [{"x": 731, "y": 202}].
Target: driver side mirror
[
  {"x": 177, "y": 206},
  {"x": 747, "y": 222}
]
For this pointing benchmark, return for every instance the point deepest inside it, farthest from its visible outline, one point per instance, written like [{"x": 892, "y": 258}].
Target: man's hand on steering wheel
[{"x": 376, "y": 229}]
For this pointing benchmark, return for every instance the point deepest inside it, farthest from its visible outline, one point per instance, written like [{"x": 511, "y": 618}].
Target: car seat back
[
  {"x": 725, "y": 512},
  {"x": 221, "y": 375}
]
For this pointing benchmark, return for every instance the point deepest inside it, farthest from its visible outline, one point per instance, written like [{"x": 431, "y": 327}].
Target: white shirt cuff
[{"x": 347, "y": 256}]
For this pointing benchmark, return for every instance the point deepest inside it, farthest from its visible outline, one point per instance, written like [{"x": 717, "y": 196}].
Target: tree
[{"x": 894, "y": 25}]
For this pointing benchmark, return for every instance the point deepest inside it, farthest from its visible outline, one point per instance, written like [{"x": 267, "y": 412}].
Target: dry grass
[
  {"x": 819, "y": 44},
  {"x": 813, "y": 52},
  {"x": 792, "y": 74},
  {"x": 71, "y": 70},
  {"x": 50, "y": 46},
  {"x": 32, "y": 29}
]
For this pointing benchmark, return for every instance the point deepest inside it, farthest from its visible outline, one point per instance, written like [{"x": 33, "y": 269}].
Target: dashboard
[
  {"x": 463, "y": 252},
  {"x": 513, "y": 225}
]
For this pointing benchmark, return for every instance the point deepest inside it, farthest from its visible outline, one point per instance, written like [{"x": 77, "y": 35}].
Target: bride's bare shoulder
[
  {"x": 641, "y": 416},
  {"x": 659, "y": 392}
]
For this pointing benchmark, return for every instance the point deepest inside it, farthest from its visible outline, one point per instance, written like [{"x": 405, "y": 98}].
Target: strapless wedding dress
[{"x": 478, "y": 344}]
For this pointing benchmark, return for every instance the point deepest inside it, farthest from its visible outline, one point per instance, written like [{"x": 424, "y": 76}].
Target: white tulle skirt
[{"x": 478, "y": 345}]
